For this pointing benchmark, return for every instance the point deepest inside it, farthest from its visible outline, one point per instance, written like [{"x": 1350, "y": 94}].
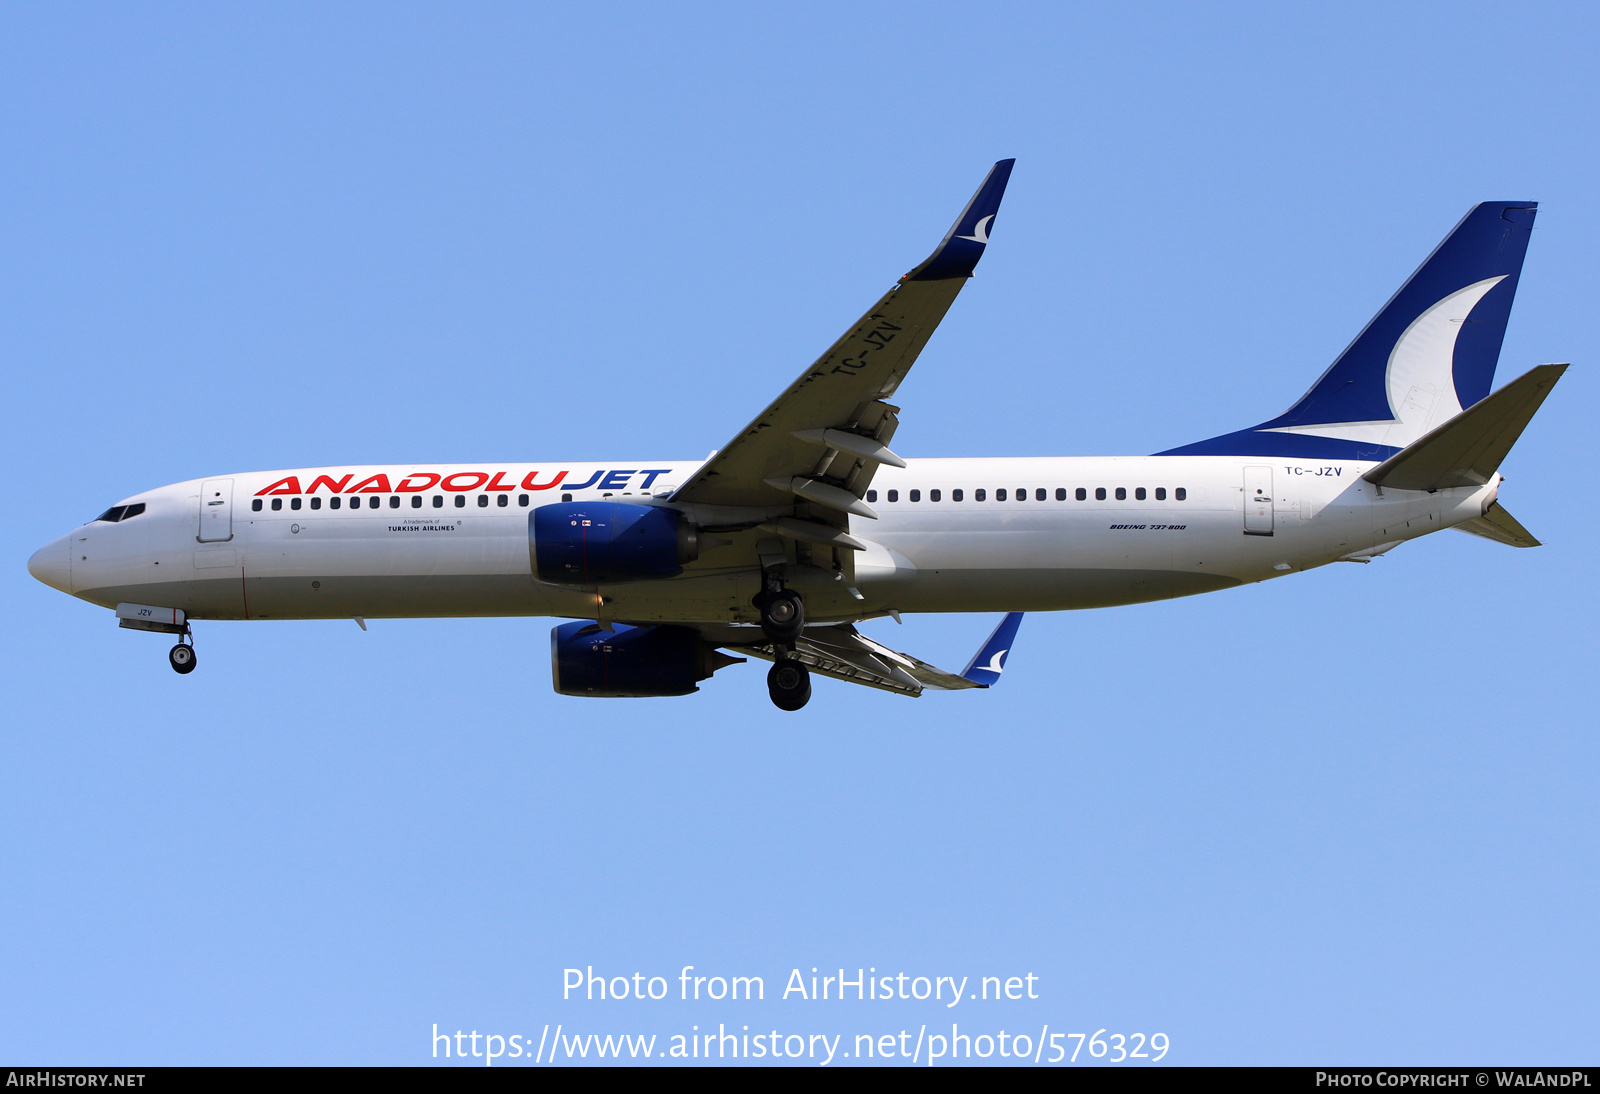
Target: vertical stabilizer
[{"x": 1426, "y": 356}]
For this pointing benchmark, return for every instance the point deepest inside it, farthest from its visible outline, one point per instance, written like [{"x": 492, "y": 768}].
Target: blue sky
[{"x": 1347, "y": 818}]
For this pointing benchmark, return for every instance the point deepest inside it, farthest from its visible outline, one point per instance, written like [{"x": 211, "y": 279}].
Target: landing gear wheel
[
  {"x": 182, "y": 658},
  {"x": 789, "y": 684},
  {"x": 783, "y": 615}
]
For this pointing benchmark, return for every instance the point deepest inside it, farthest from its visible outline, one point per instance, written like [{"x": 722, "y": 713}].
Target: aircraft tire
[
  {"x": 789, "y": 684},
  {"x": 182, "y": 658},
  {"x": 783, "y": 616}
]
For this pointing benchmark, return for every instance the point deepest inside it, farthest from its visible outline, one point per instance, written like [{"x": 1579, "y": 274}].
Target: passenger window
[
  {"x": 373, "y": 504},
  {"x": 438, "y": 501},
  {"x": 894, "y": 495},
  {"x": 461, "y": 501},
  {"x": 294, "y": 503},
  {"x": 522, "y": 500},
  {"x": 980, "y": 494},
  {"x": 933, "y": 495},
  {"x": 1022, "y": 494},
  {"x": 1061, "y": 493},
  {"x": 394, "y": 501},
  {"x": 483, "y": 501},
  {"x": 566, "y": 497},
  {"x": 1138, "y": 493},
  {"x": 502, "y": 500},
  {"x": 1180, "y": 493},
  {"x": 416, "y": 501},
  {"x": 1000, "y": 494},
  {"x": 1122, "y": 493},
  {"x": 1099, "y": 493},
  {"x": 872, "y": 495},
  {"x": 955, "y": 495},
  {"x": 316, "y": 503},
  {"x": 1161, "y": 493},
  {"x": 255, "y": 507},
  {"x": 334, "y": 502},
  {"x": 1082, "y": 494},
  {"x": 916, "y": 495},
  {"x": 277, "y": 503},
  {"x": 1039, "y": 494}
]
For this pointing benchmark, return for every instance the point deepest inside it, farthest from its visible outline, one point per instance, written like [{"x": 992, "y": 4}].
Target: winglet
[
  {"x": 962, "y": 246},
  {"x": 990, "y": 660}
]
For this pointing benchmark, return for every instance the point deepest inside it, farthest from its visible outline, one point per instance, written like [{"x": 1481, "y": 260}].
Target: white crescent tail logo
[
  {"x": 994, "y": 664},
  {"x": 980, "y": 234}
]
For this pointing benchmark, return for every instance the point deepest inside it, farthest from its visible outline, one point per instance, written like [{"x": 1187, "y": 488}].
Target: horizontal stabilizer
[
  {"x": 1500, "y": 526},
  {"x": 1467, "y": 449}
]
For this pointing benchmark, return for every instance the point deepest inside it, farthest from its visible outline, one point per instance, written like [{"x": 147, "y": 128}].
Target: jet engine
[
  {"x": 590, "y": 543},
  {"x": 630, "y": 662}
]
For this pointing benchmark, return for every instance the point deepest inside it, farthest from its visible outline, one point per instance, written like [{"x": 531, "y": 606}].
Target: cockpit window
[{"x": 121, "y": 512}]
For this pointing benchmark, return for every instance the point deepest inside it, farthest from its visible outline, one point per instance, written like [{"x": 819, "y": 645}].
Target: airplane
[{"x": 806, "y": 523}]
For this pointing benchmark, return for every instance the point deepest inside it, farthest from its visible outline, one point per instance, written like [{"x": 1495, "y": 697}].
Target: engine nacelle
[
  {"x": 630, "y": 662},
  {"x": 604, "y": 542}
]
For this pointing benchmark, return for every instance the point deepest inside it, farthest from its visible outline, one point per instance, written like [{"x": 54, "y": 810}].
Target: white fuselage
[{"x": 453, "y": 540}]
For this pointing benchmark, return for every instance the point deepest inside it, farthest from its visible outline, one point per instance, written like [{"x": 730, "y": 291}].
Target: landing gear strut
[
  {"x": 783, "y": 617},
  {"x": 789, "y": 684},
  {"x": 182, "y": 657}
]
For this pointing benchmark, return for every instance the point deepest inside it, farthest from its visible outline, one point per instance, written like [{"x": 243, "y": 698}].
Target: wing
[
  {"x": 844, "y": 653},
  {"x": 823, "y": 438}
]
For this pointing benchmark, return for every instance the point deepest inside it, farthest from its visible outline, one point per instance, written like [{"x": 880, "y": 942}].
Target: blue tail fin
[
  {"x": 1428, "y": 355},
  {"x": 990, "y": 661}
]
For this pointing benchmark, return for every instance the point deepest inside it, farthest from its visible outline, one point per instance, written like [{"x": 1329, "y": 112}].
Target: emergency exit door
[
  {"x": 1258, "y": 501},
  {"x": 216, "y": 511}
]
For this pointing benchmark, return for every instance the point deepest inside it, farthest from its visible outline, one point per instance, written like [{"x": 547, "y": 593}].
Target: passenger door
[
  {"x": 1258, "y": 501},
  {"x": 216, "y": 511}
]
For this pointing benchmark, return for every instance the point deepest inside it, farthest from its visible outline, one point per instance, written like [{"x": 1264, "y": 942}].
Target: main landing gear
[
  {"x": 783, "y": 617},
  {"x": 182, "y": 656},
  {"x": 789, "y": 684}
]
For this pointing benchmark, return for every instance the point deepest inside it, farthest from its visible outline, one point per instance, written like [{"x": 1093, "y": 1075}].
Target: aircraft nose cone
[{"x": 51, "y": 564}]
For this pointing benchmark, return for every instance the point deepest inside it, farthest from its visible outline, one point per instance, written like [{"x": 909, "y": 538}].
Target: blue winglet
[
  {"x": 990, "y": 660},
  {"x": 962, "y": 246}
]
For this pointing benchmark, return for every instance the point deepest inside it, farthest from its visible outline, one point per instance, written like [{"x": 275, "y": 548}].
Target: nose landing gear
[
  {"x": 789, "y": 684},
  {"x": 182, "y": 657}
]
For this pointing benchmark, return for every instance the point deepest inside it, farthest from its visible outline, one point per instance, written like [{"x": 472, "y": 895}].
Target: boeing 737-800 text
[{"x": 806, "y": 522}]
